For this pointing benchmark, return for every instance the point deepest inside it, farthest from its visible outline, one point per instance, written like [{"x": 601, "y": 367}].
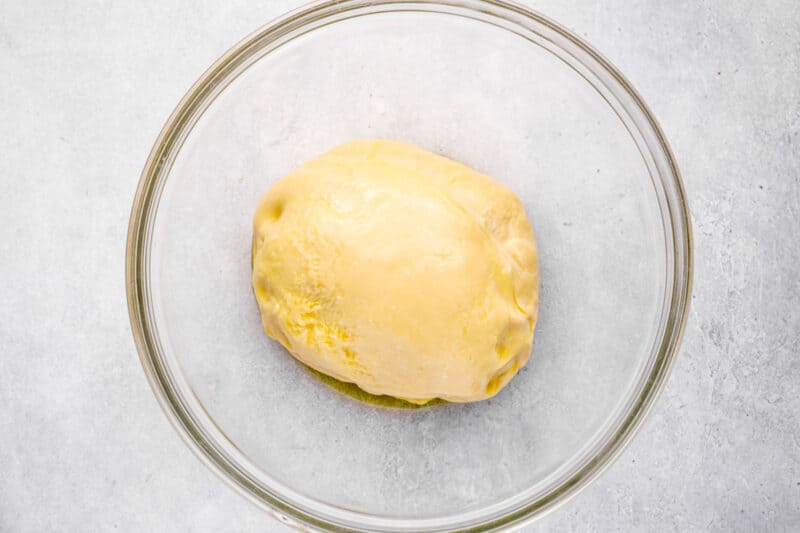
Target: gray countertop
[{"x": 85, "y": 91}]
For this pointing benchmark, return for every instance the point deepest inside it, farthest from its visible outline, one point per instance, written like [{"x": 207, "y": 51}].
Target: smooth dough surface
[{"x": 404, "y": 272}]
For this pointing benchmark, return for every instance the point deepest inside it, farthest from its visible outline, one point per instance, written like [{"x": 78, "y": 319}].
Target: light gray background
[{"x": 87, "y": 86}]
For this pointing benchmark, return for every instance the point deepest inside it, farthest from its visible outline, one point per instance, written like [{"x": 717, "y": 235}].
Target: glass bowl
[{"x": 488, "y": 83}]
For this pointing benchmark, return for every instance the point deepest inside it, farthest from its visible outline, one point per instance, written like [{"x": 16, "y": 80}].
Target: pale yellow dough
[{"x": 406, "y": 273}]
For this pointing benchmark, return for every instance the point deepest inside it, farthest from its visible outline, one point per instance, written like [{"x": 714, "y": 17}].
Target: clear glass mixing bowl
[{"x": 488, "y": 83}]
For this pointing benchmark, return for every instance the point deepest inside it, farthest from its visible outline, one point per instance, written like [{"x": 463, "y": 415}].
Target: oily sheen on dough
[{"x": 385, "y": 265}]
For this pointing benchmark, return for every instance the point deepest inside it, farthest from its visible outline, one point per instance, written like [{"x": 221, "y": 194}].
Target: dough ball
[{"x": 385, "y": 265}]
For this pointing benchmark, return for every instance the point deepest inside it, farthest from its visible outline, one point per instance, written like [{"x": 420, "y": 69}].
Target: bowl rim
[{"x": 169, "y": 141}]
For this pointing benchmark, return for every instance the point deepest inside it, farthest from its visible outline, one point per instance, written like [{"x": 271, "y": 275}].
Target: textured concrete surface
[{"x": 83, "y": 445}]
